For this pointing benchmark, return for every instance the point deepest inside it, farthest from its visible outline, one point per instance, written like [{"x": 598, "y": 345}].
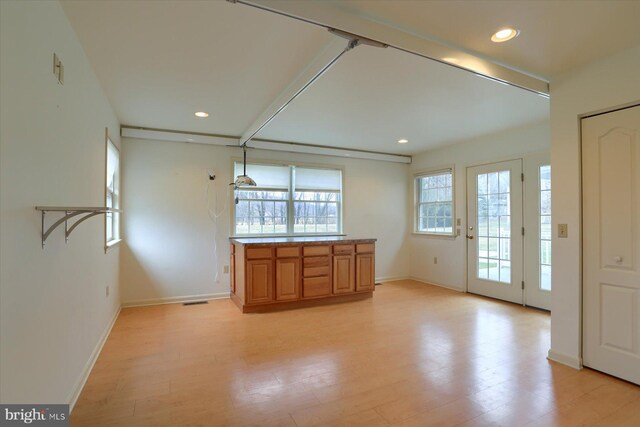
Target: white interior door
[
  {"x": 611, "y": 243},
  {"x": 494, "y": 230}
]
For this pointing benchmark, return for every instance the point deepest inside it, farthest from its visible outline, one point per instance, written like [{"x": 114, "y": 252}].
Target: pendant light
[{"x": 244, "y": 180}]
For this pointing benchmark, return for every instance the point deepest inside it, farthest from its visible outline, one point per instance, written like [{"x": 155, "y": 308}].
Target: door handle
[{"x": 469, "y": 237}]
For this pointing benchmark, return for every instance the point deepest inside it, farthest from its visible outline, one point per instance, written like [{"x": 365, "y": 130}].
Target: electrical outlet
[
  {"x": 226, "y": 269},
  {"x": 107, "y": 291},
  {"x": 435, "y": 259},
  {"x": 563, "y": 231}
]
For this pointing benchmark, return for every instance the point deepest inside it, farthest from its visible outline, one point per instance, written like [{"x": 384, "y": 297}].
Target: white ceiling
[
  {"x": 555, "y": 36},
  {"x": 159, "y": 62},
  {"x": 373, "y": 97}
]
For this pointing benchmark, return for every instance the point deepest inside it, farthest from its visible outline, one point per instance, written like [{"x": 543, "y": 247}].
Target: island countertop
[{"x": 298, "y": 240}]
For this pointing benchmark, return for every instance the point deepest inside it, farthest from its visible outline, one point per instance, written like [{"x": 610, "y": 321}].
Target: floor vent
[{"x": 195, "y": 302}]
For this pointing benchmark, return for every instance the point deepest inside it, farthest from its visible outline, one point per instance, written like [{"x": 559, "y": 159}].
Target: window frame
[
  {"x": 115, "y": 216},
  {"x": 416, "y": 201},
  {"x": 290, "y": 200}
]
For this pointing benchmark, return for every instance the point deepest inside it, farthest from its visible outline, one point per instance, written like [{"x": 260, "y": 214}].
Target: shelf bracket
[{"x": 69, "y": 212}]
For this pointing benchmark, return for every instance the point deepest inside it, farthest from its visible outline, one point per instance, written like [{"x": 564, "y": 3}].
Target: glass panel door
[
  {"x": 494, "y": 203},
  {"x": 537, "y": 245}
]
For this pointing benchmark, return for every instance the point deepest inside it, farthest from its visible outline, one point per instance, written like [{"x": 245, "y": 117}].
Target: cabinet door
[
  {"x": 343, "y": 274},
  {"x": 287, "y": 279},
  {"x": 365, "y": 272},
  {"x": 259, "y": 281}
]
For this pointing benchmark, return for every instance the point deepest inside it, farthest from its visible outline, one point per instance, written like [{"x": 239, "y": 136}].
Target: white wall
[
  {"x": 53, "y": 303},
  {"x": 451, "y": 252},
  {"x": 604, "y": 84},
  {"x": 168, "y": 252}
]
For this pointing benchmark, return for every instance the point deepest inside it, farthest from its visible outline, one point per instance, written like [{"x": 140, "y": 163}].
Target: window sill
[
  {"x": 111, "y": 244},
  {"x": 435, "y": 235}
]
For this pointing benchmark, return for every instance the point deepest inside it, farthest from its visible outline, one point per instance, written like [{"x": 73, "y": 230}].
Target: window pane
[
  {"x": 493, "y": 210},
  {"x": 112, "y": 199},
  {"x": 266, "y": 210},
  {"x": 315, "y": 207},
  {"x": 545, "y": 228},
  {"x": 434, "y": 210}
]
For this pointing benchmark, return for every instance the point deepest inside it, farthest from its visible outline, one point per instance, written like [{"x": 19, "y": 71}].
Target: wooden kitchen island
[{"x": 274, "y": 273}]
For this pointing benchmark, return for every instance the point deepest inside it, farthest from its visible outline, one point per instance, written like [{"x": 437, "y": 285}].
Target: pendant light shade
[{"x": 244, "y": 180}]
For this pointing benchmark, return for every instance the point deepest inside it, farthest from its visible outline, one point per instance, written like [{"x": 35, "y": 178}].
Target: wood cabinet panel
[
  {"x": 343, "y": 274},
  {"x": 316, "y": 287},
  {"x": 316, "y": 261},
  {"x": 258, "y": 253},
  {"x": 365, "y": 248},
  {"x": 259, "y": 281},
  {"x": 287, "y": 279},
  {"x": 365, "y": 272},
  {"x": 342, "y": 249},
  {"x": 315, "y": 250},
  {"x": 288, "y": 252},
  {"x": 316, "y": 271}
]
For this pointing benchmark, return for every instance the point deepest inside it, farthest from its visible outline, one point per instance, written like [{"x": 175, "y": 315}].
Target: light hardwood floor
[{"x": 414, "y": 355}]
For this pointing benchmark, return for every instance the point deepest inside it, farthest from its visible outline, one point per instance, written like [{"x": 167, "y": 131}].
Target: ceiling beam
[
  {"x": 324, "y": 60},
  {"x": 138, "y": 132},
  {"x": 328, "y": 16}
]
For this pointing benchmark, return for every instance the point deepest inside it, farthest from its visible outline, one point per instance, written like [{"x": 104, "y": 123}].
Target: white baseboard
[
  {"x": 573, "y": 362},
  {"x": 391, "y": 278},
  {"x": 430, "y": 282},
  {"x": 176, "y": 300},
  {"x": 88, "y": 367}
]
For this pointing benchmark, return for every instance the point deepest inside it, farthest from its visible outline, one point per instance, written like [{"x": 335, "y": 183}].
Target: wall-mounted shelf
[{"x": 70, "y": 212}]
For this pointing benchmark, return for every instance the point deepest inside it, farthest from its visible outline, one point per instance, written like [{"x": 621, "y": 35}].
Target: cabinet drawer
[
  {"x": 293, "y": 252},
  {"x": 365, "y": 248},
  {"x": 316, "y": 250},
  {"x": 342, "y": 249},
  {"x": 316, "y": 261},
  {"x": 316, "y": 287},
  {"x": 258, "y": 253},
  {"x": 316, "y": 271}
]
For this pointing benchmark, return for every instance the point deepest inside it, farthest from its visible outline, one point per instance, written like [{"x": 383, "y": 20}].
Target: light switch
[{"x": 563, "y": 231}]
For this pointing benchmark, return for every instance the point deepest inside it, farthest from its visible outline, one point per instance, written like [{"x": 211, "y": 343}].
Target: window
[
  {"x": 289, "y": 200},
  {"x": 545, "y": 227},
  {"x": 112, "y": 193},
  {"x": 434, "y": 202}
]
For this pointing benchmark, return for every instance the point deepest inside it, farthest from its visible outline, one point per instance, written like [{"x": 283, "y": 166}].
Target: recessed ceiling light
[
  {"x": 202, "y": 114},
  {"x": 504, "y": 34},
  {"x": 403, "y": 141}
]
